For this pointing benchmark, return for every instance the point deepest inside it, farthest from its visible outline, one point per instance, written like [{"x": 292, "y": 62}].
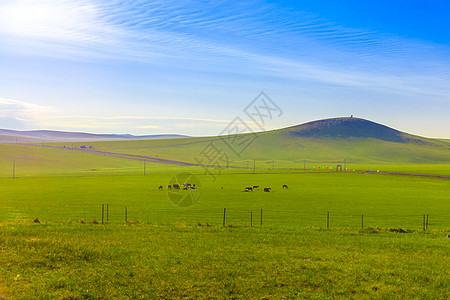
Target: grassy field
[
  {"x": 329, "y": 235},
  {"x": 189, "y": 261},
  {"x": 386, "y": 200},
  {"x": 169, "y": 252}
]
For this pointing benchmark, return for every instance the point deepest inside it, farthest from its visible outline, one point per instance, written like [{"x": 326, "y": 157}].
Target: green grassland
[
  {"x": 183, "y": 261},
  {"x": 275, "y": 146},
  {"x": 331, "y": 234},
  {"x": 165, "y": 251},
  {"x": 355, "y": 143},
  {"x": 386, "y": 200}
]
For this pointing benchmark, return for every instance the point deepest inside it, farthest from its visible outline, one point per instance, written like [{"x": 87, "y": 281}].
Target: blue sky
[{"x": 190, "y": 67}]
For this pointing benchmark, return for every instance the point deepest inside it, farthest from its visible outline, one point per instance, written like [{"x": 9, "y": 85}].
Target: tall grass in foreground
[{"x": 183, "y": 261}]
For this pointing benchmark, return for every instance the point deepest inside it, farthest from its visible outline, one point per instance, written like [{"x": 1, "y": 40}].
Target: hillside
[
  {"x": 353, "y": 139},
  {"x": 349, "y": 128},
  {"x": 324, "y": 142}
]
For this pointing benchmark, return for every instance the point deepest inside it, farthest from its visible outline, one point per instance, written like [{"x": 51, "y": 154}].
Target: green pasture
[
  {"x": 32, "y": 161},
  {"x": 141, "y": 261},
  {"x": 330, "y": 234},
  {"x": 351, "y": 198}
]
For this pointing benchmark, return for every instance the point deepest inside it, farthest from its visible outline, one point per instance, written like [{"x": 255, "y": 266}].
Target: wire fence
[{"x": 116, "y": 214}]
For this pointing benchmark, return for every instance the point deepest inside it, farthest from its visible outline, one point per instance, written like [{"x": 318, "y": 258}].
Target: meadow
[{"x": 107, "y": 231}]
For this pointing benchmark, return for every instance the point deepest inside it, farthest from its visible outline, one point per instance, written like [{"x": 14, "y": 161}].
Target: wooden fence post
[
  {"x": 328, "y": 220},
  {"x": 224, "y": 213},
  {"x": 423, "y": 222}
]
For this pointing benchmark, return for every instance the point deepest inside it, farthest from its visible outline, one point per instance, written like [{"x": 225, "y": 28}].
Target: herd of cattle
[
  {"x": 187, "y": 186},
  {"x": 256, "y": 187}
]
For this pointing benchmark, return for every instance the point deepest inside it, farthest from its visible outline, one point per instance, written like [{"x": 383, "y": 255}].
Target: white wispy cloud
[
  {"x": 138, "y": 118},
  {"x": 23, "y": 111},
  {"x": 37, "y": 116},
  {"x": 202, "y": 33},
  {"x": 248, "y": 39}
]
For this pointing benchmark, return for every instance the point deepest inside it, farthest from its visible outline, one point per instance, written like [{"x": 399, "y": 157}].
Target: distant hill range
[{"x": 13, "y": 136}]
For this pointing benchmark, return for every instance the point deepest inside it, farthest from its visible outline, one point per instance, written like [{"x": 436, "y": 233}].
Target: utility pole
[{"x": 144, "y": 166}]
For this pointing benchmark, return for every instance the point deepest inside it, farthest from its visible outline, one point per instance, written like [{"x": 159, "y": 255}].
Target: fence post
[
  {"x": 126, "y": 215},
  {"x": 261, "y": 216},
  {"x": 224, "y": 213},
  {"x": 423, "y": 222},
  {"x": 103, "y": 211},
  {"x": 328, "y": 220},
  {"x": 362, "y": 221},
  {"x": 251, "y": 219},
  {"x": 427, "y": 223}
]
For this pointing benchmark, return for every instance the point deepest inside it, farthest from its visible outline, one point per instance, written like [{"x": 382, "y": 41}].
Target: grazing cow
[
  {"x": 185, "y": 188},
  {"x": 248, "y": 189},
  {"x": 193, "y": 186},
  {"x": 160, "y": 187},
  {"x": 176, "y": 186},
  {"x": 267, "y": 189},
  {"x": 256, "y": 187},
  {"x": 285, "y": 186},
  {"x": 169, "y": 187}
]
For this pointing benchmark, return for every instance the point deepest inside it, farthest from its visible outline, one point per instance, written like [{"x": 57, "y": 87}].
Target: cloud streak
[
  {"x": 212, "y": 42},
  {"x": 168, "y": 32},
  {"x": 23, "y": 111}
]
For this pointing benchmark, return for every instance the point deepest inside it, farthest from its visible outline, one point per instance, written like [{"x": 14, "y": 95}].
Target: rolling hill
[
  {"x": 357, "y": 140},
  {"x": 350, "y": 128},
  {"x": 9, "y": 136},
  {"x": 327, "y": 142}
]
